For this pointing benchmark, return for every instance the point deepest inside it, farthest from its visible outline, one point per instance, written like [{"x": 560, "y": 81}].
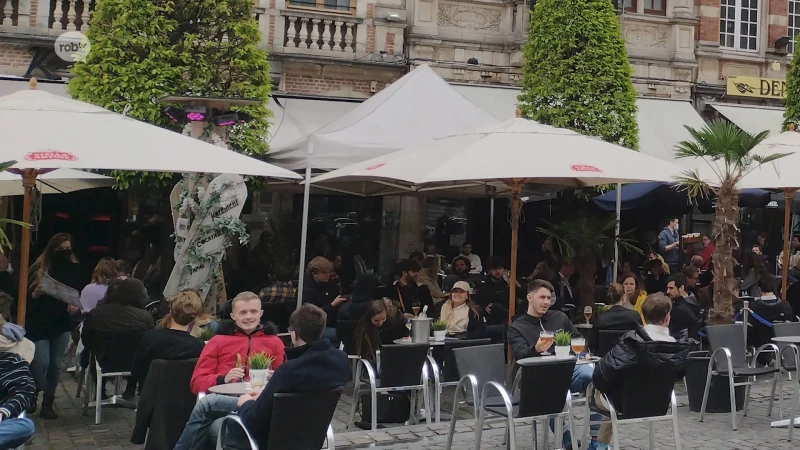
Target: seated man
[
  {"x": 654, "y": 340},
  {"x": 685, "y": 316},
  {"x": 523, "y": 336},
  {"x": 172, "y": 343},
  {"x": 313, "y": 365},
  {"x": 223, "y": 358},
  {"x": 475, "y": 266},
  {"x": 616, "y": 317},
  {"x": 16, "y": 394},
  {"x": 768, "y": 306}
]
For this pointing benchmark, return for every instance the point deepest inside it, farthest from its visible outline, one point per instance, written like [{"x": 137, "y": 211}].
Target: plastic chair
[
  {"x": 728, "y": 358},
  {"x": 401, "y": 367},
  {"x": 448, "y": 374},
  {"x": 298, "y": 422},
  {"x": 544, "y": 394}
]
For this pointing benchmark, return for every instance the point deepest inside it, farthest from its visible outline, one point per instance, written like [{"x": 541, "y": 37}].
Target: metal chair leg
[
  {"x": 792, "y": 405},
  {"x": 652, "y": 436},
  {"x": 570, "y": 421},
  {"x": 733, "y": 397},
  {"x": 356, "y": 396},
  {"x": 98, "y": 394},
  {"x": 747, "y": 397},
  {"x": 708, "y": 386},
  {"x": 675, "y": 429}
]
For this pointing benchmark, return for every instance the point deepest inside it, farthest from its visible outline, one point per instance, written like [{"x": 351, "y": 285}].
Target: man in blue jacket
[
  {"x": 312, "y": 365},
  {"x": 669, "y": 246}
]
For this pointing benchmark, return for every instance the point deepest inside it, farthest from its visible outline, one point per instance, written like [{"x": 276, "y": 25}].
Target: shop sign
[{"x": 757, "y": 87}]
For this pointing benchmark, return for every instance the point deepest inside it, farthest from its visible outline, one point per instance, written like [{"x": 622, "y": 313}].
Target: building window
[
  {"x": 738, "y": 24},
  {"x": 629, "y": 5},
  {"x": 794, "y": 22},
  {"x": 344, "y": 6},
  {"x": 655, "y": 7}
]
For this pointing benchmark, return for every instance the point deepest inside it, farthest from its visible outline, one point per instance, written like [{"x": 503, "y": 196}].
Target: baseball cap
[{"x": 463, "y": 285}]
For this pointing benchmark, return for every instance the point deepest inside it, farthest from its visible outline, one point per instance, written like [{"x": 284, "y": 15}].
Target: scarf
[{"x": 457, "y": 318}]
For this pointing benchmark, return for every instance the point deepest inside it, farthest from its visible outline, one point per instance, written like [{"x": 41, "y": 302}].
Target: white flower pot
[
  {"x": 438, "y": 336},
  {"x": 562, "y": 351},
  {"x": 258, "y": 378}
]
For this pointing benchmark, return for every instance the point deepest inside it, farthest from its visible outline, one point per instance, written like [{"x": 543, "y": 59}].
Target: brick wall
[
  {"x": 14, "y": 56},
  {"x": 708, "y": 28},
  {"x": 311, "y": 84},
  {"x": 778, "y": 16},
  {"x": 390, "y": 43},
  {"x": 370, "y": 28}
]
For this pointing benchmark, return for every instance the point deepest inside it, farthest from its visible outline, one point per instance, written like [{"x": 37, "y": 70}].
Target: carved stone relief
[
  {"x": 469, "y": 17},
  {"x": 646, "y": 36},
  {"x": 683, "y": 74},
  {"x": 740, "y": 69}
]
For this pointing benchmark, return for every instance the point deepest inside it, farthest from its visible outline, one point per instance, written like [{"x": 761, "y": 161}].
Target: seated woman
[
  {"x": 172, "y": 340},
  {"x": 461, "y": 315},
  {"x": 105, "y": 271},
  {"x": 380, "y": 324},
  {"x": 634, "y": 293}
]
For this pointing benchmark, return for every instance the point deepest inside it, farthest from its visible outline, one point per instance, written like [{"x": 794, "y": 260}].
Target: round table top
[
  {"x": 431, "y": 342},
  {"x": 787, "y": 339},
  {"x": 230, "y": 388},
  {"x": 551, "y": 358}
]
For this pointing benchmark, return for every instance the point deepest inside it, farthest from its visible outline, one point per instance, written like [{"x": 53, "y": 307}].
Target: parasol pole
[
  {"x": 28, "y": 182},
  {"x": 616, "y": 232},
  {"x": 787, "y": 213},
  {"x": 516, "y": 188},
  {"x": 491, "y": 222},
  {"x": 304, "y": 226}
]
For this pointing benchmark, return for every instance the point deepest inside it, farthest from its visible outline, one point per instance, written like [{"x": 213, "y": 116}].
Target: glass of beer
[
  {"x": 578, "y": 345},
  {"x": 546, "y": 336},
  {"x": 415, "y": 308},
  {"x": 587, "y": 313}
]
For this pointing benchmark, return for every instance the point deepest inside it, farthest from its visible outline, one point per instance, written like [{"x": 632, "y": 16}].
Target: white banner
[{"x": 199, "y": 240}]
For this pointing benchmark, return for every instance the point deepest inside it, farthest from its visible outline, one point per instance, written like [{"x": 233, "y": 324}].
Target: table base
[{"x": 785, "y": 423}]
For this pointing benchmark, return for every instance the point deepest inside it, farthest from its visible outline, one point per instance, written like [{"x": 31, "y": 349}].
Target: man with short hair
[
  {"x": 654, "y": 341},
  {"x": 685, "y": 316},
  {"x": 668, "y": 245},
  {"x": 313, "y": 365},
  {"x": 523, "y": 335},
  {"x": 769, "y": 306},
  {"x": 406, "y": 291},
  {"x": 474, "y": 260},
  {"x": 224, "y": 356},
  {"x": 319, "y": 291},
  {"x": 563, "y": 288},
  {"x": 16, "y": 394}
]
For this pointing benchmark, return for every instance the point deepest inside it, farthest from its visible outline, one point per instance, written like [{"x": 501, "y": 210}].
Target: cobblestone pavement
[{"x": 73, "y": 431}]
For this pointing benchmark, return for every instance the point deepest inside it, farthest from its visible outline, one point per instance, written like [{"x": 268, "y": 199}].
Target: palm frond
[{"x": 6, "y": 165}]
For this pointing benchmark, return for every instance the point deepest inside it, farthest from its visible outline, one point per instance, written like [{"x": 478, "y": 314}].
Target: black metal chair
[
  {"x": 607, "y": 339},
  {"x": 789, "y": 362},
  {"x": 449, "y": 374},
  {"x": 401, "y": 367},
  {"x": 544, "y": 394},
  {"x": 729, "y": 359},
  {"x": 298, "y": 422},
  {"x": 647, "y": 396}
]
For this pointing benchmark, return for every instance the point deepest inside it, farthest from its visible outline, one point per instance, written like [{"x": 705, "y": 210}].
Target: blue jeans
[
  {"x": 15, "y": 432},
  {"x": 46, "y": 366},
  {"x": 581, "y": 378},
  {"x": 202, "y": 429}
]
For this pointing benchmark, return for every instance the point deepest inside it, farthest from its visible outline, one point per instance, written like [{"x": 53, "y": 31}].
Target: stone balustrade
[{"x": 320, "y": 34}]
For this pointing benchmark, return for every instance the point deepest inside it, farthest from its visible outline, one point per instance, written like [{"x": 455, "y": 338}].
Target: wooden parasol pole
[
  {"x": 28, "y": 182},
  {"x": 516, "y": 188},
  {"x": 787, "y": 213}
]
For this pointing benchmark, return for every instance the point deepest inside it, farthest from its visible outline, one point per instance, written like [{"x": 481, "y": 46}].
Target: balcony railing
[
  {"x": 66, "y": 15},
  {"x": 313, "y": 33}
]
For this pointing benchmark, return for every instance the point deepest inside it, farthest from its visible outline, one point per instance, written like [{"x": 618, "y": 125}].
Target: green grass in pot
[
  {"x": 562, "y": 338},
  {"x": 260, "y": 361},
  {"x": 439, "y": 325},
  {"x": 206, "y": 334}
]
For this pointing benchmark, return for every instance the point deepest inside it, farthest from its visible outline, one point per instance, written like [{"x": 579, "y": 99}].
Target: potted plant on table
[
  {"x": 563, "y": 339},
  {"x": 259, "y": 368},
  {"x": 439, "y": 328},
  {"x": 206, "y": 334}
]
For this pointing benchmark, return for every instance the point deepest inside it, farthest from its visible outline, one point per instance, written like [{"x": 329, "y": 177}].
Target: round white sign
[{"x": 72, "y": 46}]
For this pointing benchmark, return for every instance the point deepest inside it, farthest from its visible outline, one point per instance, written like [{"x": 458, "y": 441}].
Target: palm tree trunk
[{"x": 725, "y": 239}]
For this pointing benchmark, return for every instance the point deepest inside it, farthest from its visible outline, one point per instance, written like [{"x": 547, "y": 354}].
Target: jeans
[
  {"x": 330, "y": 334},
  {"x": 46, "y": 367},
  {"x": 202, "y": 429},
  {"x": 581, "y": 378},
  {"x": 15, "y": 432}
]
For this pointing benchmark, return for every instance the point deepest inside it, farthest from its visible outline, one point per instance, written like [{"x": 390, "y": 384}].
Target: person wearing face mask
[
  {"x": 669, "y": 246},
  {"x": 461, "y": 315},
  {"x": 48, "y": 318}
]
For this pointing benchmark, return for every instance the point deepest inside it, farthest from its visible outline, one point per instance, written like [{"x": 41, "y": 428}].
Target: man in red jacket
[{"x": 224, "y": 357}]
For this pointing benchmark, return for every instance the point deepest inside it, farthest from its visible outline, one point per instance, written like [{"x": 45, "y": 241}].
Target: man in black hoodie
[
  {"x": 685, "y": 315},
  {"x": 319, "y": 291},
  {"x": 523, "y": 337},
  {"x": 313, "y": 365}
]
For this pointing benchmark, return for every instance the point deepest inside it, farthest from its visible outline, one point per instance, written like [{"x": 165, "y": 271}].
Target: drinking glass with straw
[{"x": 548, "y": 337}]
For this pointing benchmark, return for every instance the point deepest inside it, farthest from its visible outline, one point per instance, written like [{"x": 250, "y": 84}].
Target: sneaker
[{"x": 594, "y": 445}]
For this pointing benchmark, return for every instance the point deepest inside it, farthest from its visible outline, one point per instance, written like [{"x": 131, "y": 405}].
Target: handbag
[{"x": 393, "y": 407}]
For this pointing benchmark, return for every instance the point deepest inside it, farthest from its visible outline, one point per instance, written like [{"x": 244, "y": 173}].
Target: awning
[
  {"x": 664, "y": 195},
  {"x": 498, "y": 101},
  {"x": 752, "y": 119},
  {"x": 662, "y": 125},
  {"x": 296, "y": 118}
]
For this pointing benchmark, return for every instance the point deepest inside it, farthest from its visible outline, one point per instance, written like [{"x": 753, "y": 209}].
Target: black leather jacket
[{"x": 636, "y": 347}]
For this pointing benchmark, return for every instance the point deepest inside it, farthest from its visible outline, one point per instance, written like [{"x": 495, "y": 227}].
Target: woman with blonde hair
[
  {"x": 172, "y": 340},
  {"x": 106, "y": 270},
  {"x": 200, "y": 321},
  {"x": 48, "y": 318},
  {"x": 460, "y": 313},
  {"x": 633, "y": 292}
]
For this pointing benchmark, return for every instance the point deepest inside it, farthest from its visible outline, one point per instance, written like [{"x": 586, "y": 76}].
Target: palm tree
[
  {"x": 727, "y": 151},
  {"x": 4, "y": 242},
  {"x": 583, "y": 238}
]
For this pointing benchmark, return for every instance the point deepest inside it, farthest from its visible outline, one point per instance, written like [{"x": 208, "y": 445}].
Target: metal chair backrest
[
  {"x": 114, "y": 351},
  {"x": 346, "y": 332},
  {"x": 300, "y": 421},
  {"x": 647, "y": 389},
  {"x": 450, "y": 372},
  {"x": 607, "y": 339},
  {"x": 786, "y": 329},
  {"x": 484, "y": 362},
  {"x": 166, "y": 388},
  {"x": 543, "y": 387},
  {"x": 731, "y": 337},
  {"x": 401, "y": 364}
]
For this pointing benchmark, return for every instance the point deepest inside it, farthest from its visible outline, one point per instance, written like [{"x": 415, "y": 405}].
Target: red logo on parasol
[
  {"x": 49, "y": 155},
  {"x": 584, "y": 168},
  {"x": 376, "y": 166}
]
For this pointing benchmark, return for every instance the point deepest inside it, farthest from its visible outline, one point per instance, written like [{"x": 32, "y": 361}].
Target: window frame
[
  {"x": 793, "y": 24},
  {"x": 737, "y": 21},
  {"x": 321, "y": 7},
  {"x": 633, "y": 8},
  {"x": 657, "y": 12}
]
